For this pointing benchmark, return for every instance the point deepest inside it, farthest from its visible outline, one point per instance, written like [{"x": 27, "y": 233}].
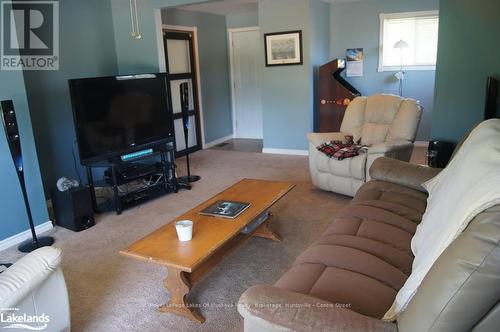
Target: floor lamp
[
  {"x": 184, "y": 91},
  {"x": 401, "y": 45},
  {"x": 13, "y": 139}
]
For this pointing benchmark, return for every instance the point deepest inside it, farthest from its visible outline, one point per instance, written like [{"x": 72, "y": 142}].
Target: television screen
[{"x": 117, "y": 115}]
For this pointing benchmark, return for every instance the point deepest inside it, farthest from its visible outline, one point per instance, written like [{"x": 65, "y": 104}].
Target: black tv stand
[{"x": 158, "y": 175}]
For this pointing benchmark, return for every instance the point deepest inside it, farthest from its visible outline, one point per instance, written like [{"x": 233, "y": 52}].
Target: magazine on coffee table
[{"x": 225, "y": 209}]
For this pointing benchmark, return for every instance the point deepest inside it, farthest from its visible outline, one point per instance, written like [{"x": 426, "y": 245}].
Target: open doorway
[
  {"x": 181, "y": 63},
  {"x": 210, "y": 22}
]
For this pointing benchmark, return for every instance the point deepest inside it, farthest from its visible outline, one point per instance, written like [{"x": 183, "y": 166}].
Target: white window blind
[{"x": 419, "y": 30}]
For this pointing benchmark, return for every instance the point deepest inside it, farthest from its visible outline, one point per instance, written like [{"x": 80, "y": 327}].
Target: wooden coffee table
[{"x": 213, "y": 238}]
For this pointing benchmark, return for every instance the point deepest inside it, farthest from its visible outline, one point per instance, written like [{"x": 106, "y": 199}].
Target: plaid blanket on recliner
[{"x": 339, "y": 149}]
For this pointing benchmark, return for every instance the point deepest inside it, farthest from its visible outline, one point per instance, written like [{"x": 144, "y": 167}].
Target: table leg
[
  {"x": 178, "y": 285},
  {"x": 265, "y": 232}
]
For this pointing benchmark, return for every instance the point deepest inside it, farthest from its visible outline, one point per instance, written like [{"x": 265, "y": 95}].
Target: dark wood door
[{"x": 181, "y": 68}]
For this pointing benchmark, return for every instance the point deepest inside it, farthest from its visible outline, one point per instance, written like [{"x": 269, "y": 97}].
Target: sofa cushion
[
  {"x": 414, "y": 201},
  {"x": 364, "y": 257},
  {"x": 350, "y": 167}
]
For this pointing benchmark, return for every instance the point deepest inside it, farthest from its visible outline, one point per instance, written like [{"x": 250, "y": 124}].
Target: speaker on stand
[
  {"x": 13, "y": 139},
  {"x": 184, "y": 91}
]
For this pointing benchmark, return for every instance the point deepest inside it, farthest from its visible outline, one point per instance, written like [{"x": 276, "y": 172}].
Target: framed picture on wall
[{"x": 283, "y": 48}]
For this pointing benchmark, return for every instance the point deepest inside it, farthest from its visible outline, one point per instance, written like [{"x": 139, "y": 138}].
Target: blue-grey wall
[
  {"x": 287, "y": 97},
  {"x": 87, "y": 49},
  {"x": 357, "y": 24},
  {"x": 468, "y": 52},
  {"x": 214, "y": 68},
  {"x": 14, "y": 218},
  {"x": 319, "y": 48},
  {"x": 138, "y": 56},
  {"x": 286, "y": 90},
  {"x": 243, "y": 20}
]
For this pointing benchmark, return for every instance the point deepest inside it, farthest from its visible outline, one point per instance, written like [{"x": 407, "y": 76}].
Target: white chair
[
  {"x": 387, "y": 124},
  {"x": 35, "y": 286}
]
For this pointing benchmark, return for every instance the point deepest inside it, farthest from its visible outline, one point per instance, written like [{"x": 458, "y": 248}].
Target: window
[{"x": 419, "y": 30}]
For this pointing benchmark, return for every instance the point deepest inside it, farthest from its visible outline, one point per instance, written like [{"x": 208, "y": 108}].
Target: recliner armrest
[
  {"x": 319, "y": 138},
  {"x": 403, "y": 173},
  {"x": 27, "y": 274},
  {"x": 274, "y": 309}
]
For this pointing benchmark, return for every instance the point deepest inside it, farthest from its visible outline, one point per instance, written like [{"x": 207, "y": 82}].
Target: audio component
[{"x": 135, "y": 155}]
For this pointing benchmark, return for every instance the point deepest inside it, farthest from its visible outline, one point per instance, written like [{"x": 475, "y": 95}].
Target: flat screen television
[{"x": 118, "y": 115}]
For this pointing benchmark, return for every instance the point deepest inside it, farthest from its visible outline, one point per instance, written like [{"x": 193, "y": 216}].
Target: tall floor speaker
[
  {"x": 184, "y": 92},
  {"x": 9, "y": 121},
  {"x": 73, "y": 208}
]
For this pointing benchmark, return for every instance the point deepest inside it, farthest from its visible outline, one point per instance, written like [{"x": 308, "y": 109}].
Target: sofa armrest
[
  {"x": 319, "y": 138},
  {"x": 389, "y": 146},
  {"x": 274, "y": 309},
  {"x": 403, "y": 173},
  {"x": 400, "y": 150}
]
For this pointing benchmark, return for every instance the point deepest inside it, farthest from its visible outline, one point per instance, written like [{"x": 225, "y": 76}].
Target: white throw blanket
[{"x": 469, "y": 185}]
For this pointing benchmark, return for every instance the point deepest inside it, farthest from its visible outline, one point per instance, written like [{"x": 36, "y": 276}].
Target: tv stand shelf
[
  {"x": 133, "y": 172},
  {"x": 158, "y": 176}
]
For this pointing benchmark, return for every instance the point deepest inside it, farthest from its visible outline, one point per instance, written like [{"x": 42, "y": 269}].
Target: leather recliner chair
[
  {"x": 386, "y": 124},
  {"x": 35, "y": 286}
]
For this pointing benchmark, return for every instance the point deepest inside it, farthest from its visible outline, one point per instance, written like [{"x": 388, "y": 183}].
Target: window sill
[{"x": 405, "y": 68}]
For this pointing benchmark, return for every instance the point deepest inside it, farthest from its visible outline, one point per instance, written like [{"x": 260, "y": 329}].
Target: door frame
[
  {"x": 230, "y": 45},
  {"x": 163, "y": 65}
]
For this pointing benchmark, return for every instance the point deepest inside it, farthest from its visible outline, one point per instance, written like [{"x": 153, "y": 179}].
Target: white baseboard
[
  {"x": 18, "y": 238},
  {"x": 286, "y": 151},
  {"x": 217, "y": 141},
  {"x": 421, "y": 144}
]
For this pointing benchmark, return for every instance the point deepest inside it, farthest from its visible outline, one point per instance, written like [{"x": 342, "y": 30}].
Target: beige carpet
[{"x": 109, "y": 292}]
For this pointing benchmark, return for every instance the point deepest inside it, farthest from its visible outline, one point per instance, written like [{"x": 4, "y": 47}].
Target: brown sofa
[{"x": 349, "y": 277}]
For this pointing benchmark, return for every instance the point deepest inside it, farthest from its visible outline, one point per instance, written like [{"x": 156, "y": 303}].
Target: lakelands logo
[
  {"x": 30, "y": 35},
  {"x": 10, "y": 319}
]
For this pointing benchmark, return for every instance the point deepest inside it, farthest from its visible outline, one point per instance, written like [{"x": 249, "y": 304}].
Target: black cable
[{"x": 75, "y": 163}]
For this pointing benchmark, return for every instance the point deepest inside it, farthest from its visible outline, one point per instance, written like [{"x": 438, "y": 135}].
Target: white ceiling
[
  {"x": 223, "y": 7},
  {"x": 229, "y": 7}
]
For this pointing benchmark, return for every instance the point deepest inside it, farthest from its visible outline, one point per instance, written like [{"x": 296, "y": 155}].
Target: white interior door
[{"x": 246, "y": 70}]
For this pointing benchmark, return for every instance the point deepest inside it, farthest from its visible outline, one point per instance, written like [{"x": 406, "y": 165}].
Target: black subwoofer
[
  {"x": 439, "y": 153},
  {"x": 73, "y": 208}
]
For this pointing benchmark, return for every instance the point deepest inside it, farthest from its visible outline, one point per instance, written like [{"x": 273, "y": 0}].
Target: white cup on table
[{"x": 184, "y": 230}]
